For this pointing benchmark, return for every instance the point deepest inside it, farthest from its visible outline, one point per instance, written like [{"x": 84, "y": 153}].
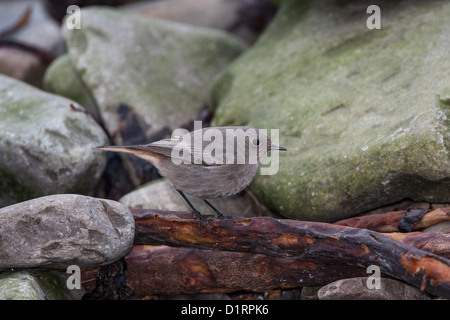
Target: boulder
[
  {"x": 21, "y": 65},
  {"x": 46, "y": 144},
  {"x": 41, "y": 31},
  {"x": 161, "y": 70},
  {"x": 62, "y": 79},
  {"x": 218, "y": 14},
  {"x": 36, "y": 285},
  {"x": 161, "y": 195},
  {"x": 363, "y": 112},
  {"x": 357, "y": 289},
  {"x": 58, "y": 231}
]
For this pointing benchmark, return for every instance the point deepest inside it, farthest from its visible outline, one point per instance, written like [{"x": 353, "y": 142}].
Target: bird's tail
[{"x": 124, "y": 149}]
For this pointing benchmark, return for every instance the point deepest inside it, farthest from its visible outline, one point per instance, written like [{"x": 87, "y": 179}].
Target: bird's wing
[
  {"x": 179, "y": 149},
  {"x": 186, "y": 151},
  {"x": 213, "y": 149}
]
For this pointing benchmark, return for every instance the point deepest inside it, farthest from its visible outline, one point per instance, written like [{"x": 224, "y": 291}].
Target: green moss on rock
[
  {"x": 163, "y": 70},
  {"x": 62, "y": 79},
  {"x": 45, "y": 146},
  {"x": 362, "y": 112},
  {"x": 36, "y": 285}
]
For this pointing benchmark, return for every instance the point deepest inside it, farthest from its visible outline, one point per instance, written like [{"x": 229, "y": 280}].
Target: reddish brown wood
[
  {"x": 322, "y": 243},
  {"x": 160, "y": 269},
  {"x": 434, "y": 242},
  {"x": 170, "y": 270},
  {"x": 388, "y": 222}
]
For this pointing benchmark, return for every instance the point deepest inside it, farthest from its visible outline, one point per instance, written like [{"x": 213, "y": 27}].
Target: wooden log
[
  {"x": 308, "y": 241},
  {"x": 151, "y": 269},
  {"x": 389, "y": 221},
  {"x": 160, "y": 269},
  {"x": 203, "y": 270},
  {"x": 434, "y": 242}
]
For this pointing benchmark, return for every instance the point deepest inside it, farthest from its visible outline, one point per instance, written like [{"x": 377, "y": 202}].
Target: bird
[{"x": 206, "y": 163}]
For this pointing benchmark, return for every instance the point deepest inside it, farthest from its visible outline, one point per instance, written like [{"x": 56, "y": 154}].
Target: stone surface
[
  {"x": 363, "y": 113},
  {"x": 22, "y": 66},
  {"x": 41, "y": 30},
  {"x": 356, "y": 289},
  {"x": 62, "y": 79},
  {"x": 401, "y": 205},
  {"x": 160, "y": 194},
  {"x": 162, "y": 70},
  {"x": 443, "y": 226},
  {"x": 45, "y": 146},
  {"x": 217, "y": 14},
  {"x": 57, "y": 231},
  {"x": 36, "y": 285}
]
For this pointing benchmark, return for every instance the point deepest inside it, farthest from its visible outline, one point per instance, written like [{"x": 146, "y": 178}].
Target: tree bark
[
  {"x": 434, "y": 242},
  {"x": 316, "y": 242},
  {"x": 405, "y": 219},
  {"x": 160, "y": 269}
]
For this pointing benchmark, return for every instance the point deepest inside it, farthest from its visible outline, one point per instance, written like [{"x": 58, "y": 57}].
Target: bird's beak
[{"x": 274, "y": 147}]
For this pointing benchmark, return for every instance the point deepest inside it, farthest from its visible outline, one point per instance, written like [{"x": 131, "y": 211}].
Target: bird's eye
[{"x": 255, "y": 142}]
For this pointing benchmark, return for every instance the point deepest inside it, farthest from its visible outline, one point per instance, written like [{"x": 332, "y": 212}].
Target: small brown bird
[{"x": 206, "y": 163}]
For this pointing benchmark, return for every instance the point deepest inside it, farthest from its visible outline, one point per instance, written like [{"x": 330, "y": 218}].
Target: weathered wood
[
  {"x": 160, "y": 269},
  {"x": 434, "y": 242},
  {"x": 174, "y": 270},
  {"x": 389, "y": 221},
  {"x": 308, "y": 241}
]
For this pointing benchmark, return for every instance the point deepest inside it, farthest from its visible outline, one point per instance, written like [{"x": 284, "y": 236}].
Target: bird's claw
[{"x": 200, "y": 218}]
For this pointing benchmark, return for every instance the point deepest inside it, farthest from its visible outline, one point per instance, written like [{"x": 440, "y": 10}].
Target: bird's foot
[
  {"x": 200, "y": 218},
  {"x": 219, "y": 214}
]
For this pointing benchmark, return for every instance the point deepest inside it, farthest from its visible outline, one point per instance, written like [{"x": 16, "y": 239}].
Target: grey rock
[
  {"x": 36, "y": 285},
  {"x": 363, "y": 113},
  {"x": 57, "y": 231},
  {"x": 160, "y": 194},
  {"x": 61, "y": 78},
  {"x": 443, "y": 226},
  {"x": 161, "y": 69},
  {"x": 45, "y": 146},
  {"x": 356, "y": 289},
  {"x": 21, "y": 65},
  {"x": 401, "y": 205},
  {"x": 41, "y": 30},
  {"x": 217, "y": 14}
]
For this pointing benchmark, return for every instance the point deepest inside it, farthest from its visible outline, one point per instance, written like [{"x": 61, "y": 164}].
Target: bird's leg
[
  {"x": 194, "y": 211},
  {"x": 219, "y": 214}
]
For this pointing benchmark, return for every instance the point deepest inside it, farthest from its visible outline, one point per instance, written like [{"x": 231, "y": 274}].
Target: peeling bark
[
  {"x": 434, "y": 242},
  {"x": 390, "y": 221},
  {"x": 317, "y": 242},
  {"x": 160, "y": 269}
]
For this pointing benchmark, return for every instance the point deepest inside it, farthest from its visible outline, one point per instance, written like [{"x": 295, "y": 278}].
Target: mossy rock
[
  {"x": 61, "y": 78},
  {"x": 36, "y": 285},
  {"x": 46, "y": 144},
  {"x": 363, "y": 113},
  {"x": 162, "y": 70}
]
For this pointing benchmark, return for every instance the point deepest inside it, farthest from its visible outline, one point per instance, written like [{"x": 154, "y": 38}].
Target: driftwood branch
[
  {"x": 434, "y": 242},
  {"x": 321, "y": 243},
  {"x": 160, "y": 269},
  {"x": 395, "y": 221}
]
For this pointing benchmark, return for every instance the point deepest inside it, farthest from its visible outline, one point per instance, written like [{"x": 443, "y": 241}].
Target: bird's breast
[{"x": 208, "y": 181}]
